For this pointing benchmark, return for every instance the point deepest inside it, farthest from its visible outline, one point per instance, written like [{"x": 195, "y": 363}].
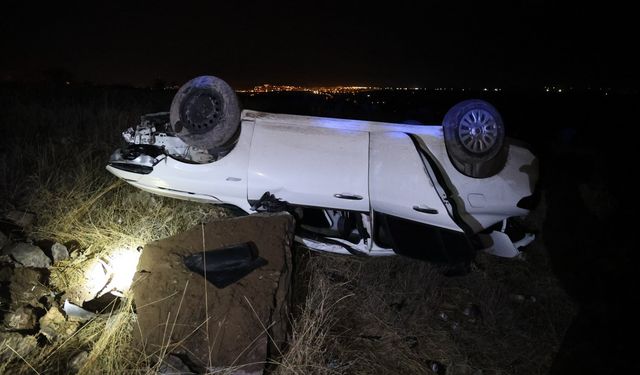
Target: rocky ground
[
  {"x": 350, "y": 315},
  {"x": 33, "y": 314}
]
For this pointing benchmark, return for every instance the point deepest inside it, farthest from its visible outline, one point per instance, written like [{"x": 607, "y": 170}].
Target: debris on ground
[{"x": 76, "y": 313}]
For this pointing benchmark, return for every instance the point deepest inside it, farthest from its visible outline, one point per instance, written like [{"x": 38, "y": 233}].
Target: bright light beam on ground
[{"x": 114, "y": 272}]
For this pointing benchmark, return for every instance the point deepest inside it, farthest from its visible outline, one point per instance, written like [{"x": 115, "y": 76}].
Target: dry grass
[
  {"x": 105, "y": 215},
  {"x": 100, "y": 214},
  {"x": 401, "y": 316},
  {"x": 107, "y": 338},
  {"x": 357, "y": 316},
  {"x": 62, "y": 178},
  {"x": 310, "y": 346},
  {"x": 372, "y": 332}
]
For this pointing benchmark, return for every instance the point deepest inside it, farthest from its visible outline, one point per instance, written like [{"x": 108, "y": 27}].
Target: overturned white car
[{"x": 360, "y": 187}]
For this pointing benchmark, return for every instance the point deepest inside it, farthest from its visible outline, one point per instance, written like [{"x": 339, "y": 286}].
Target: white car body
[{"x": 341, "y": 165}]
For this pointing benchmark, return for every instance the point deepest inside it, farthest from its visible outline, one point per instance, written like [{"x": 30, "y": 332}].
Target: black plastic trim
[{"x": 134, "y": 168}]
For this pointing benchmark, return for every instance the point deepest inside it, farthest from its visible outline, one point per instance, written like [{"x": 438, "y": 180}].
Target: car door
[
  {"x": 310, "y": 163},
  {"x": 399, "y": 184}
]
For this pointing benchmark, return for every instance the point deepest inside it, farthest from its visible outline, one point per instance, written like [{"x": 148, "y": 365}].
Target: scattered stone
[
  {"x": 21, "y": 319},
  {"x": 59, "y": 252},
  {"x": 77, "y": 361},
  {"x": 21, "y": 219},
  {"x": 27, "y": 255},
  {"x": 437, "y": 367},
  {"x": 10, "y": 341},
  {"x": 5, "y": 259},
  {"x": 91, "y": 282},
  {"x": 74, "y": 248},
  {"x": 443, "y": 315},
  {"x": 54, "y": 326},
  {"x": 26, "y": 287}
]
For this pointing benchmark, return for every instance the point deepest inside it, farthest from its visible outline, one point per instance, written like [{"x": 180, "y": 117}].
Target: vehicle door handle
[
  {"x": 351, "y": 197},
  {"x": 426, "y": 210}
]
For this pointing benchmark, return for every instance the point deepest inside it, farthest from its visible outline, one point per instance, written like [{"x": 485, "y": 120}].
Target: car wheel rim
[
  {"x": 201, "y": 111},
  {"x": 478, "y": 131}
]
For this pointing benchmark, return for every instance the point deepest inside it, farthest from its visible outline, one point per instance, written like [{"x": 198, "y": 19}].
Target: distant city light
[
  {"x": 329, "y": 91},
  {"x": 321, "y": 90}
]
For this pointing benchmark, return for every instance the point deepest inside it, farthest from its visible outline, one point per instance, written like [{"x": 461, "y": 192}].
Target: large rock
[
  {"x": 54, "y": 326},
  {"x": 26, "y": 287},
  {"x": 27, "y": 255},
  {"x": 59, "y": 252},
  {"x": 182, "y": 311}
]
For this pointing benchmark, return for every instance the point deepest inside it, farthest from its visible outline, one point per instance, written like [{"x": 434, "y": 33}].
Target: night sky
[{"x": 425, "y": 43}]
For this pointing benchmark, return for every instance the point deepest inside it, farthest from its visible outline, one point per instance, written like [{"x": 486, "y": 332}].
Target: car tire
[
  {"x": 205, "y": 113},
  {"x": 474, "y": 137}
]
